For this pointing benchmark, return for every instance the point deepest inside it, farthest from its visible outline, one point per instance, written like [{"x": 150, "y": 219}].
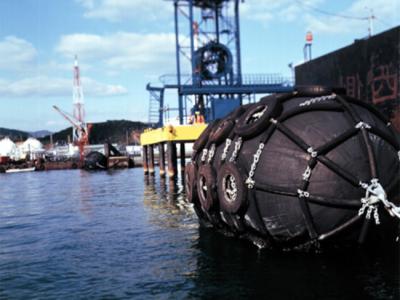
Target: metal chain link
[
  {"x": 317, "y": 99},
  {"x": 303, "y": 194},
  {"x": 228, "y": 143},
  {"x": 256, "y": 157},
  {"x": 374, "y": 193},
  {"x": 362, "y": 125},
  {"x": 204, "y": 154},
  {"x": 307, "y": 173},
  {"x": 235, "y": 152},
  {"x": 311, "y": 151},
  {"x": 211, "y": 153},
  {"x": 259, "y": 114}
]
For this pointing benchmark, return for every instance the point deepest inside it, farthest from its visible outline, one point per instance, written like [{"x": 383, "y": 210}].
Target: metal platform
[{"x": 171, "y": 133}]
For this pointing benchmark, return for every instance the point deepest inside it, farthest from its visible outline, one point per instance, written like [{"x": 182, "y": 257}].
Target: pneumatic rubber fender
[
  {"x": 222, "y": 131},
  {"x": 232, "y": 191},
  {"x": 251, "y": 124},
  {"x": 316, "y": 90},
  {"x": 206, "y": 187},
  {"x": 190, "y": 182},
  {"x": 204, "y": 137}
]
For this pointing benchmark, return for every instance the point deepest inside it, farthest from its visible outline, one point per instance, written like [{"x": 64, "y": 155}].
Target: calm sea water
[{"x": 115, "y": 235}]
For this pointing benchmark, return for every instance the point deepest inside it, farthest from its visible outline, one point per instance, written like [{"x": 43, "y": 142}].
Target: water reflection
[
  {"x": 224, "y": 267},
  {"x": 226, "y": 264},
  {"x": 166, "y": 200},
  {"x": 85, "y": 192}
]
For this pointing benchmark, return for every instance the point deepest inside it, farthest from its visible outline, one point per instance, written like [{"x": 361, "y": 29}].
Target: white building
[
  {"x": 33, "y": 147},
  {"x": 8, "y": 148}
]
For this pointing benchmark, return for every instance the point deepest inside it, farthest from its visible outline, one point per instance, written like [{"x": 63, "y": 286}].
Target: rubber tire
[
  {"x": 246, "y": 130},
  {"x": 190, "y": 182},
  {"x": 222, "y": 131},
  {"x": 208, "y": 199},
  {"x": 317, "y": 90},
  {"x": 237, "y": 113},
  {"x": 203, "y": 138},
  {"x": 240, "y": 203}
]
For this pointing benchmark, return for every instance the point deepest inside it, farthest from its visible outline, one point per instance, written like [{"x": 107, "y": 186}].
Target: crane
[{"x": 80, "y": 129}]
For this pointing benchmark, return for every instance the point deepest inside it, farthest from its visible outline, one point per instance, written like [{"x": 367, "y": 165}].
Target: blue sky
[{"x": 123, "y": 44}]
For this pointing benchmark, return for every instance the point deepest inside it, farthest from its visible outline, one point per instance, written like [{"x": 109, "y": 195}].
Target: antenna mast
[{"x": 78, "y": 104}]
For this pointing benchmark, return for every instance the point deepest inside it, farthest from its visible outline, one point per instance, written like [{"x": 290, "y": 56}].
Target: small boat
[
  {"x": 309, "y": 168},
  {"x": 20, "y": 170}
]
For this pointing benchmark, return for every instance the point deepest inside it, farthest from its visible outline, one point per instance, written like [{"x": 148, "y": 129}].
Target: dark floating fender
[
  {"x": 95, "y": 161},
  {"x": 313, "y": 167}
]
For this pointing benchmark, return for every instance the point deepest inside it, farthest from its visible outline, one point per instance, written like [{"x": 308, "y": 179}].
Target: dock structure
[
  {"x": 207, "y": 46},
  {"x": 167, "y": 139}
]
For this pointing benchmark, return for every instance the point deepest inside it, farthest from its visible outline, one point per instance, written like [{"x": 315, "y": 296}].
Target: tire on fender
[
  {"x": 204, "y": 136},
  {"x": 257, "y": 118},
  {"x": 232, "y": 191},
  {"x": 190, "y": 182},
  {"x": 222, "y": 131},
  {"x": 206, "y": 187},
  {"x": 317, "y": 90}
]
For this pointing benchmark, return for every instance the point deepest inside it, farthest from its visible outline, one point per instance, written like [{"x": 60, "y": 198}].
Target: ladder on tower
[{"x": 156, "y": 105}]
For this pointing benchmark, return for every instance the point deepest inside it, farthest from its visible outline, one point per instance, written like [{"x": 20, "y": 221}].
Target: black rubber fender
[
  {"x": 230, "y": 179},
  {"x": 204, "y": 136},
  {"x": 190, "y": 182},
  {"x": 222, "y": 131},
  {"x": 317, "y": 90},
  {"x": 238, "y": 112},
  {"x": 206, "y": 187},
  {"x": 249, "y": 127}
]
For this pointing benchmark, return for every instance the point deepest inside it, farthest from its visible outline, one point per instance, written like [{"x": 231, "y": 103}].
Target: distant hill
[
  {"x": 40, "y": 133},
  {"x": 116, "y": 131},
  {"x": 13, "y": 134}
]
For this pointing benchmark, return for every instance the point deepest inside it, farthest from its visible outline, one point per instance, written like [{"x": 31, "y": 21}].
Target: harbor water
[{"x": 118, "y": 235}]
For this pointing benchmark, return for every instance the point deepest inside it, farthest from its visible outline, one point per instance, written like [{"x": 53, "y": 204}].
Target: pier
[{"x": 167, "y": 139}]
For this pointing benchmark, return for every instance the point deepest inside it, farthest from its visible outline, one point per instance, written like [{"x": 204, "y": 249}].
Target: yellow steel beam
[{"x": 170, "y": 133}]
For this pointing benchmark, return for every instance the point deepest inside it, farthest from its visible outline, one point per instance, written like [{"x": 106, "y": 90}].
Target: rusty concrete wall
[{"x": 369, "y": 69}]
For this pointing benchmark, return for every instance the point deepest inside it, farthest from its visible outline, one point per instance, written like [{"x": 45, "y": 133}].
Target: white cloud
[
  {"x": 269, "y": 11},
  {"x": 16, "y": 53},
  {"x": 123, "y": 50},
  {"x": 118, "y": 10},
  {"x": 385, "y": 11},
  {"x": 95, "y": 88},
  {"x": 46, "y": 86}
]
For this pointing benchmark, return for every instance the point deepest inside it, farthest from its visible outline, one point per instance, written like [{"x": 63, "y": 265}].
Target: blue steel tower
[{"x": 208, "y": 62}]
